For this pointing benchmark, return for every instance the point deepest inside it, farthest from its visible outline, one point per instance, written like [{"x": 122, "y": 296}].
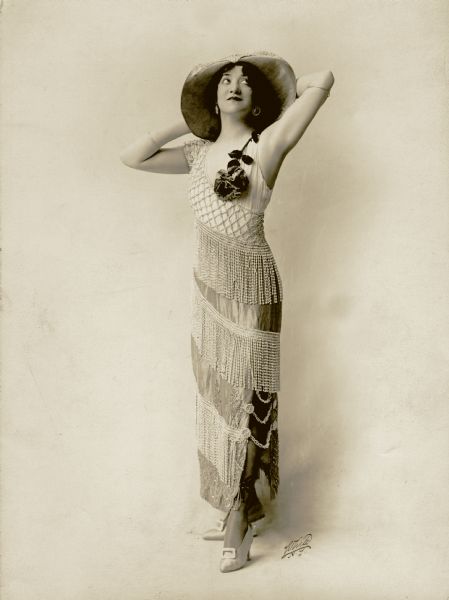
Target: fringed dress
[{"x": 235, "y": 341}]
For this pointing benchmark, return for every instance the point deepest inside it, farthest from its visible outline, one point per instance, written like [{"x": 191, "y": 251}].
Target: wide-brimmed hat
[{"x": 195, "y": 101}]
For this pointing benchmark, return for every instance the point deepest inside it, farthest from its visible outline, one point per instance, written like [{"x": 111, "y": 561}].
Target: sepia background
[{"x": 100, "y": 482}]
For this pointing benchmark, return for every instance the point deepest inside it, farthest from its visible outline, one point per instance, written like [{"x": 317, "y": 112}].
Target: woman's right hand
[{"x": 147, "y": 152}]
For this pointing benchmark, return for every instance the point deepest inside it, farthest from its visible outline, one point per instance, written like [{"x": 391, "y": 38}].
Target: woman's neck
[{"x": 232, "y": 130}]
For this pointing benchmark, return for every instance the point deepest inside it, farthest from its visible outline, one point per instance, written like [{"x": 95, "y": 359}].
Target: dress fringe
[
  {"x": 240, "y": 271},
  {"x": 222, "y": 450},
  {"x": 247, "y": 358}
]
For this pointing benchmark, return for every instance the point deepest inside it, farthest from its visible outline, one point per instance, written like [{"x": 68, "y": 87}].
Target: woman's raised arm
[
  {"x": 147, "y": 154},
  {"x": 280, "y": 137}
]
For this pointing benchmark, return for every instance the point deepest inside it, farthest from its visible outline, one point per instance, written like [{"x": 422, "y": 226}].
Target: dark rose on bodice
[{"x": 231, "y": 183}]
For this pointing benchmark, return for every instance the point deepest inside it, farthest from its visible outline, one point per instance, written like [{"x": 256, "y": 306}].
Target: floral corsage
[{"x": 231, "y": 182}]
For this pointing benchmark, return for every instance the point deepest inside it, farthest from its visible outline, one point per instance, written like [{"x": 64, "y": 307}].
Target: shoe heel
[{"x": 235, "y": 558}]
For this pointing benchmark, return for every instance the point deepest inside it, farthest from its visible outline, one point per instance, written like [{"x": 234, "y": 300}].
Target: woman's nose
[{"x": 235, "y": 87}]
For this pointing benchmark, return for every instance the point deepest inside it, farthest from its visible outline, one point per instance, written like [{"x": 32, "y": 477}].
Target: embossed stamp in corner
[{"x": 297, "y": 547}]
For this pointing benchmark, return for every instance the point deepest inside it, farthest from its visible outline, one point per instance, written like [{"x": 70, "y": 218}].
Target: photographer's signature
[{"x": 297, "y": 547}]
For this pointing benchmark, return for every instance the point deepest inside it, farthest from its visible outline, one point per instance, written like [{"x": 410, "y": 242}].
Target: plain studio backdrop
[{"x": 100, "y": 482}]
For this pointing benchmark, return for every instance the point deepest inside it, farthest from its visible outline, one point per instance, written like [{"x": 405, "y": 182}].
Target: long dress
[{"x": 236, "y": 323}]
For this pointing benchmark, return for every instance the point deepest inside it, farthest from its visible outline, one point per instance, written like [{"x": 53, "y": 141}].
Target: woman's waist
[{"x": 246, "y": 238}]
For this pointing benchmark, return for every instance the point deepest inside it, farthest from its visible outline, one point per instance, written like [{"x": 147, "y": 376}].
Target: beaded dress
[{"x": 236, "y": 322}]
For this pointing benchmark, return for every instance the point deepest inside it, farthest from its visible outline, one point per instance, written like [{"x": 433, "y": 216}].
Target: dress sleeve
[{"x": 191, "y": 150}]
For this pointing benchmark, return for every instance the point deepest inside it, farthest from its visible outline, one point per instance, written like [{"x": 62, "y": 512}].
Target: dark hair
[{"x": 263, "y": 96}]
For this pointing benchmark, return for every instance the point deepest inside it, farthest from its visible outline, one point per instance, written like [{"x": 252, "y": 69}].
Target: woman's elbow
[
  {"x": 324, "y": 79},
  {"x": 330, "y": 79},
  {"x": 124, "y": 159}
]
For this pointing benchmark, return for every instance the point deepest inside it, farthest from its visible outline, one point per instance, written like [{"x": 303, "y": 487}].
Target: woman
[{"x": 247, "y": 112}]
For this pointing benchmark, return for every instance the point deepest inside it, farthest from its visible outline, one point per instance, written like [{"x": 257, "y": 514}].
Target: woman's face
[{"x": 234, "y": 94}]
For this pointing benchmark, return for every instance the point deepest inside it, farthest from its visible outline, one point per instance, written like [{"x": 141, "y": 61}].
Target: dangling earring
[
  {"x": 217, "y": 110},
  {"x": 256, "y": 111}
]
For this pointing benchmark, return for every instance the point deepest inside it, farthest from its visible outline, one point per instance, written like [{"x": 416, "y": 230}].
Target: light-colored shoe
[
  {"x": 218, "y": 534},
  {"x": 235, "y": 558}
]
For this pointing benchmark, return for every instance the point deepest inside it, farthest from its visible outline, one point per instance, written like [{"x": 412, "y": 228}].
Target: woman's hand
[
  {"x": 147, "y": 154},
  {"x": 280, "y": 137}
]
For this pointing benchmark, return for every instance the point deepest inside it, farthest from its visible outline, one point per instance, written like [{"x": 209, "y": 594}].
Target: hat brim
[{"x": 194, "y": 106}]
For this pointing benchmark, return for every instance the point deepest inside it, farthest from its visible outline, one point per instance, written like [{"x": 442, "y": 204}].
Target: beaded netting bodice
[{"x": 241, "y": 218}]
